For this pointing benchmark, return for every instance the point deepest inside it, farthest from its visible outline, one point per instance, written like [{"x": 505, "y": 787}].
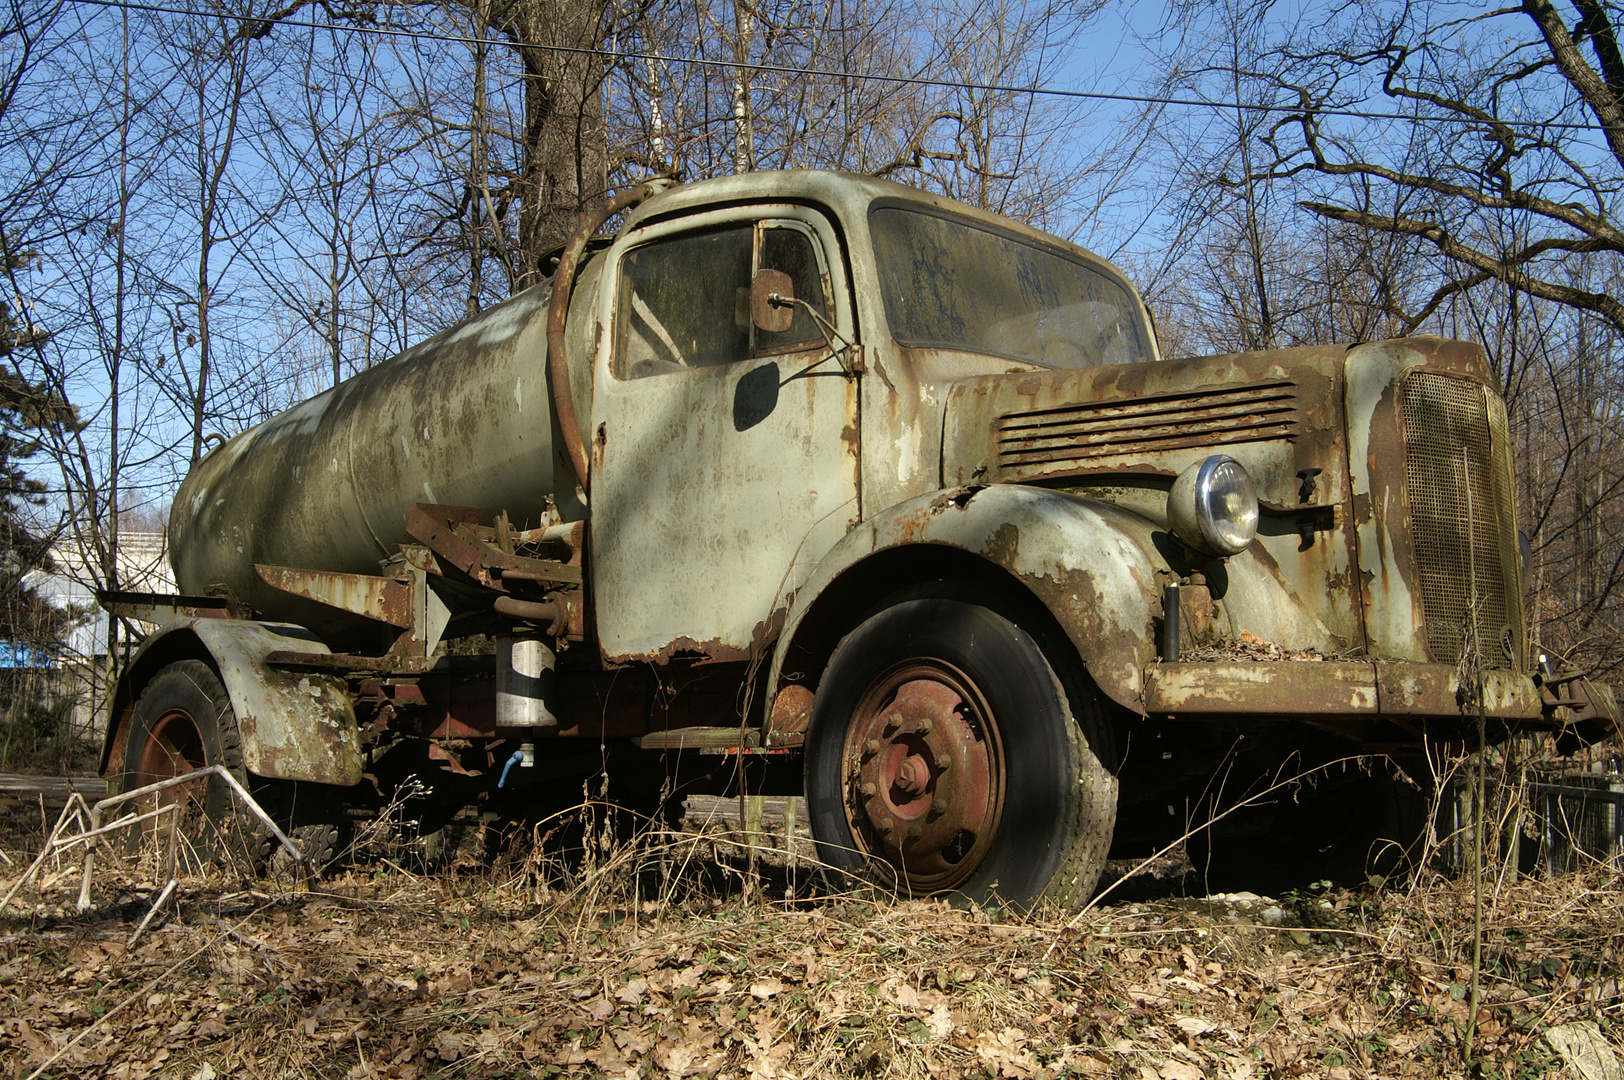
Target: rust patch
[
  {"x": 713, "y": 651},
  {"x": 384, "y": 599},
  {"x": 767, "y": 630},
  {"x": 393, "y": 664},
  {"x": 1004, "y": 545},
  {"x": 113, "y": 765},
  {"x": 1196, "y": 610},
  {"x": 958, "y": 497},
  {"x": 911, "y": 528},
  {"x": 1117, "y": 654},
  {"x": 687, "y": 649},
  {"x": 162, "y": 608},
  {"x": 791, "y": 712}
]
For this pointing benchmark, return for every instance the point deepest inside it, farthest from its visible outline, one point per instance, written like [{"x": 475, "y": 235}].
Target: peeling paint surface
[
  {"x": 465, "y": 412},
  {"x": 294, "y": 726},
  {"x": 1286, "y": 689},
  {"x": 1093, "y": 564},
  {"x": 716, "y": 488}
]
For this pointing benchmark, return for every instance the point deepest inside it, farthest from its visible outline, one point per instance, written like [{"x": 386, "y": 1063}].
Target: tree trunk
[{"x": 565, "y": 165}]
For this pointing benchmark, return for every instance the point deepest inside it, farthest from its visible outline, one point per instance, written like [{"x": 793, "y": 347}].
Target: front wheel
[{"x": 945, "y": 756}]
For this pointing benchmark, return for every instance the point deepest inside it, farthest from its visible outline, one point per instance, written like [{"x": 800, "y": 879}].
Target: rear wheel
[
  {"x": 183, "y": 721},
  {"x": 945, "y": 756}
]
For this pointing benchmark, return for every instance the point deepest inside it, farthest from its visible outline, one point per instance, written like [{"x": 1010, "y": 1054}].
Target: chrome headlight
[{"x": 1213, "y": 506}]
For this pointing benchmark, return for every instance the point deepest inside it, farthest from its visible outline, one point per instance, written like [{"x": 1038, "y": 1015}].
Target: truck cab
[{"x": 890, "y": 501}]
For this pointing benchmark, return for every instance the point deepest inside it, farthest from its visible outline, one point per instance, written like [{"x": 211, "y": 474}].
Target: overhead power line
[{"x": 832, "y": 73}]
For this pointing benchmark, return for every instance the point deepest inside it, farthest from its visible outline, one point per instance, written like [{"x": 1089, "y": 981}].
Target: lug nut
[
  {"x": 938, "y": 807},
  {"x": 914, "y": 832},
  {"x": 893, "y": 723},
  {"x": 873, "y": 746},
  {"x": 913, "y": 774},
  {"x": 869, "y": 788},
  {"x": 926, "y": 726}
]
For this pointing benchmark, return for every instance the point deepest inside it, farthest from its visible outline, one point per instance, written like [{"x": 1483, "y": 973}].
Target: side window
[
  {"x": 791, "y": 251},
  {"x": 684, "y": 301}
]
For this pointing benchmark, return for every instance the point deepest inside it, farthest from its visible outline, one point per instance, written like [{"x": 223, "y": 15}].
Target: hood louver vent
[{"x": 1076, "y": 436}]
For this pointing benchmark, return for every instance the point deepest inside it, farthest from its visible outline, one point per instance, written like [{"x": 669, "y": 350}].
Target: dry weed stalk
[{"x": 636, "y": 959}]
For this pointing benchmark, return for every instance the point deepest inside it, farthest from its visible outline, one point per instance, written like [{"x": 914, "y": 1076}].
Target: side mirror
[{"x": 772, "y": 296}]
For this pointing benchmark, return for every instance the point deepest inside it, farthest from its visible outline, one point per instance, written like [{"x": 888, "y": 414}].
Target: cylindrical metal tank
[{"x": 464, "y": 419}]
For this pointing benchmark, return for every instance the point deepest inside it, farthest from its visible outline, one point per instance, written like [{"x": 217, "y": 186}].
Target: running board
[{"x": 715, "y": 739}]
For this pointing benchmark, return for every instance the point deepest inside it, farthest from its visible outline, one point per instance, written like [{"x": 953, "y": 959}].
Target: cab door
[{"x": 724, "y": 457}]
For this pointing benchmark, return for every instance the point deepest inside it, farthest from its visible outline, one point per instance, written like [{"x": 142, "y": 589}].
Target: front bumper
[{"x": 1368, "y": 689}]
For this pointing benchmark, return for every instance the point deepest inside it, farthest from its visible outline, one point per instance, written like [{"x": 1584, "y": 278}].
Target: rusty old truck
[{"x": 808, "y": 482}]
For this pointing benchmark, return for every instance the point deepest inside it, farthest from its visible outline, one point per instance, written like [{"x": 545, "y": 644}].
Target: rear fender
[{"x": 294, "y": 726}]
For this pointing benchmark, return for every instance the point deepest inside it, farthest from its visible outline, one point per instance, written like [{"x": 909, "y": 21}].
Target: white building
[{"x": 80, "y": 671}]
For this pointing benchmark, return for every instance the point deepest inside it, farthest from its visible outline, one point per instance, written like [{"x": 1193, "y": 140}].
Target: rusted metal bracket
[
  {"x": 519, "y": 567},
  {"x": 342, "y": 663},
  {"x": 452, "y": 535},
  {"x": 164, "y": 608},
  {"x": 1592, "y": 709},
  {"x": 1550, "y": 686},
  {"x": 385, "y": 599},
  {"x": 433, "y": 527},
  {"x": 448, "y": 531},
  {"x": 561, "y": 615}
]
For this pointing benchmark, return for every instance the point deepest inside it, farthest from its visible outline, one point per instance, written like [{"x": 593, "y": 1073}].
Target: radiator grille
[
  {"x": 1047, "y": 440},
  {"x": 1462, "y": 518}
]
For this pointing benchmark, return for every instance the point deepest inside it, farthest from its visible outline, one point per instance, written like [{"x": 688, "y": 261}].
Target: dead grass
[{"x": 526, "y": 970}]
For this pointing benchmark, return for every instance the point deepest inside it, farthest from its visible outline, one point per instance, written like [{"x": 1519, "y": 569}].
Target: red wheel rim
[
  {"x": 924, "y": 771},
  {"x": 173, "y": 747}
]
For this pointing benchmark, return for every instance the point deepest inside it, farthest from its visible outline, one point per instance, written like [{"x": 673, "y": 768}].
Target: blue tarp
[{"x": 20, "y": 654}]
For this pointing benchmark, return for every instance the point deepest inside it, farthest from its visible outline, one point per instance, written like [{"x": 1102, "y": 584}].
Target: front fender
[
  {"x": 1094, "y": 565},
  {"x": 294, "y": 726}
]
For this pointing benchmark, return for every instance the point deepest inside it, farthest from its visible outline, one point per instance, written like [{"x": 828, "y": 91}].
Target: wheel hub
[
  {"x": 173, "y": 747},
  {"x": 926, "y": 774}
]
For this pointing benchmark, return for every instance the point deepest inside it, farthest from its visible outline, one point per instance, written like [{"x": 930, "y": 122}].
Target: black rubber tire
[
  {"x": 314, "y": 819},
  {"x": 1056, "y": 798},
  {"x": 183, "y": 721}
]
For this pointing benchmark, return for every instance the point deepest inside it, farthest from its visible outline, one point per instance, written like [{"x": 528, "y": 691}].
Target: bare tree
[{"x": 1496, "y": 114}]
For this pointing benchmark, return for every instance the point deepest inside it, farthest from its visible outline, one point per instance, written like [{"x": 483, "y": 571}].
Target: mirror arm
[{"x": 830, "y": 334}]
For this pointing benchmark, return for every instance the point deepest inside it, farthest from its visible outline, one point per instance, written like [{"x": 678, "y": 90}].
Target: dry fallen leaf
[
  {"x": 1180, "y": 1070},
  {"x": 1006, "y": 1052},
  {"x": 762, "y": 989},
  {"x": 1194, "y": 1025}
]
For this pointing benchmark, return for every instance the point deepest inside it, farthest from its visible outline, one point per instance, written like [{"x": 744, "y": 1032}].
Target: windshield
[{"x": 951, "y": 284}]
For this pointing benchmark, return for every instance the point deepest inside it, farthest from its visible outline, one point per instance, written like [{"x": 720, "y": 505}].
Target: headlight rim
[{"x": 1191, "y": 509}]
